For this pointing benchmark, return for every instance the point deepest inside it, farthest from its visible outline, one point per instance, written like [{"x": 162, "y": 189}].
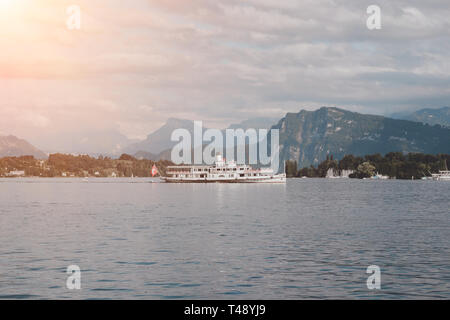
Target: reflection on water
[{"x": 311, "y": 238}]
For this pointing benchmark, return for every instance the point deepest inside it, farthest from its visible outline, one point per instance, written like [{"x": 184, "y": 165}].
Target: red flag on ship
[{"x": 154, "y": 171}]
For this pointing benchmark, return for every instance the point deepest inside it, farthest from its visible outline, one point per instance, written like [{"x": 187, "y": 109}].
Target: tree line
[
  {"x": 68, "y": 165},
  {"x": 394, "y": 164}
]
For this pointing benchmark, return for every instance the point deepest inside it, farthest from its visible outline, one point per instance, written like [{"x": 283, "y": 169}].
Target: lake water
[{"x": 308, "y": 239}]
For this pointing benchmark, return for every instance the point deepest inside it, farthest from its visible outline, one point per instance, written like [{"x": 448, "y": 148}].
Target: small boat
[
  {"x": 380, "y": 177},
  {"x": 221, "y": 171}
]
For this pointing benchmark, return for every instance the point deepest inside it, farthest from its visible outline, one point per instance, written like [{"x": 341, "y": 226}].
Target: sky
[{"x": 134, "y": 64}]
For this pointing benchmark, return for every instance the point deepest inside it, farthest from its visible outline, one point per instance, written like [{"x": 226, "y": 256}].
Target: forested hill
[{"x": 308, "y": 137}]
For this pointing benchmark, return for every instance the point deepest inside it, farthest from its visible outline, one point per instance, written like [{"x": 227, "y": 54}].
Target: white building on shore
[{"x": 16, "y": 173}]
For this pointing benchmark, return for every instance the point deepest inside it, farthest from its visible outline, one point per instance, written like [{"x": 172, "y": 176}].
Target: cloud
[{"x": 134, "y": 64}]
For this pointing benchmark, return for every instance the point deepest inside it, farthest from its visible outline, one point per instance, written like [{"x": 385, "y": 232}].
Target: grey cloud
[{"x": 225, "y": 60}]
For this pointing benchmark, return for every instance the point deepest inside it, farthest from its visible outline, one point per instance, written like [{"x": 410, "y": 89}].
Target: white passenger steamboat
[
  {"x": 222, "y": 171},
  {"x": 442, "y": 176}
]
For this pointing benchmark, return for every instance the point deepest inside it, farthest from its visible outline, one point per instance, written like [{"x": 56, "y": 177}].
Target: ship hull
[
  {"x": 273, "y": 179},
  {"x": 445, "y": 178}
]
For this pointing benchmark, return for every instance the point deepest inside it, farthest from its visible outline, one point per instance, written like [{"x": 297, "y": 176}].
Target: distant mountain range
[
  {"x": 159, "y": 140},
  {"x": 156, "y": 145},
  {"x": 109, "y": 142},
  {"x": 11, "y": 146},
  {"x": 255, "y": 123},
  {"x": 309, "y": 136},
  {"x": 431, "y": 116}
]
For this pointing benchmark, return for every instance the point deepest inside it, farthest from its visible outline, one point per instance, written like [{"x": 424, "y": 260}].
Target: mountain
[
  {"x": 11, "y": 146},
  {"x": 107, "y": 142},
  {"x": 157, "y": 144},
  {"x": 431, "y": 116},
  {"x": 309, "y": 136},
  {"x": 255, "y": 123},
  {"x": 159, "y": 140},
  {"x": 145, "y": 155}
]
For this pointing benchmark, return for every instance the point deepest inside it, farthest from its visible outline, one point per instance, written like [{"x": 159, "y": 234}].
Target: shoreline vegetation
[
  {"x": 393, "y": 165},
  {"x": 66, "y": 165}
]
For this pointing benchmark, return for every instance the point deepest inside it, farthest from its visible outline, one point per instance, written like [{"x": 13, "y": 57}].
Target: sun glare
[{"x": 4, "y": 3}]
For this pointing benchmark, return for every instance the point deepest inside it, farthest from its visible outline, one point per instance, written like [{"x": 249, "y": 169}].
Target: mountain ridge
[
  {"x": 309, "y": 136},
  {"x": 431, "y": 116},
  {"x": 158, "y": 142},
  {"x": 12, "y": 146}
]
